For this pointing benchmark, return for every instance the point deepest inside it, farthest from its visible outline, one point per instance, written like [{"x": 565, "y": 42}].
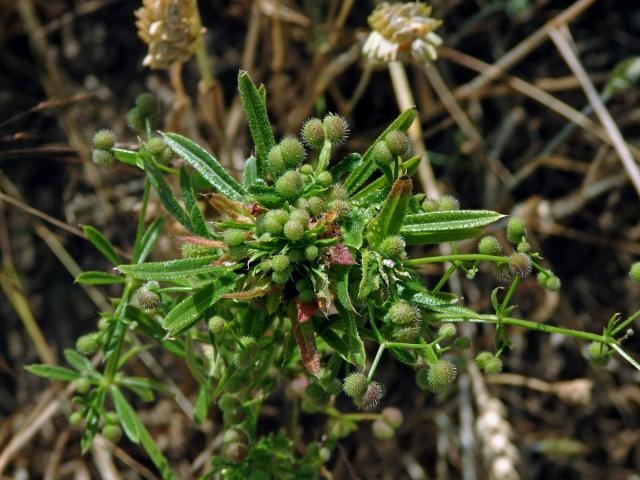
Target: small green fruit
[
  {"x": 306, "y": 169},
  {"x": 337, "y": 192},
  {"x": 515, "y": 230},
  {"x": 599, "y": 354},
  {"x": 88, "y": 344},
  {"x": 111, "y": 418},
  {"x": 311, "y": 252},
  {"x": 82, "y": 385},
  {"x": 492, "y": 366},
  {"x": 398, "y": 142},
  {"x": 216, "y": 324},
  {"x": 355, "y": 384},
  {"x": 490, "y": 245},
  {"x": 103, "y": 158},
  {"x": 301, "y": 216},
  {"x": 275, "y": 160},
  {"x": 324, "y": 178},
  {"x": 135, "y": 120},
  {"x": 316, "y": 206},
  {"x": 147, "y": 104},
  {"x": 381, "y": 154},
  {"x": 155, "y": 146},
  {"x": 402, "y": 313},
  {"x": 448, "y": 202},
  {"x": 429, "y": 205},
  {"x": 104, "y": 139},
  {"x": 336, "y": 128},
  {"x": 229, "y": 402},
  {"x": 447, "y": 330},
  {"x": 113, "y": 433},
  {"x": 75, "y": 418},
  {"x": 634, "y": 272},
  {"x": 440, "y": 375},
  {"x": 234, "y": 237},
  {"x": 482, "y": 358},
  {"x": 393, "y": 247},
  {"x": 293, "y": 230},
  {"x": 382, "y": 430},
  {"x": 292, "y": 152},
  {"x": 289, "y": 185},
  {"x": 281, "y": 277},
  {"x": 313, "y": 133}
]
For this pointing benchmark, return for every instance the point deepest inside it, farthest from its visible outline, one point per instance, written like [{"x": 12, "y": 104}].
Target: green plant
[{"x": 303, "y": 267}]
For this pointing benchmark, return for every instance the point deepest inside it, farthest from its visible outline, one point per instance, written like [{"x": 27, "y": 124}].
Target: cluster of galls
[
  {"x": 365, "y": 394},
  {"x": 395, "y": 144},
  {"x": 235, "y": 439},
  {"x": 403, "y": 322}
]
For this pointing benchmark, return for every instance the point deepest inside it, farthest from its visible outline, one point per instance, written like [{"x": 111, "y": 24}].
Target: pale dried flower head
[
  {"x": 171, "y": 28},
  {"x": 402, "y": 31},
  {"x": 576, "y": 392}
]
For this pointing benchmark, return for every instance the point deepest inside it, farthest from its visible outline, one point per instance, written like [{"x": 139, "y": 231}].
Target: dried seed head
[
  {"x": 104, "y": 139},
  {"x": 402, "y": 31},
  {"x": 371, "y": 397},
  {"x": 448, "y": 202},
  {"x": 490, "y": 245},
  {"x": 502, "y": 272},
  {"x": 355, "y": 384},
  {"x": 515, "y": 230},
  {"x": 313, "y": 133},
  {"x": 170, "y": 28},
  {"x": 440, "y": 375},
  {"x": 398, "y": 142},
  {"x": 402, "y": 313},
  {"x": 336, "y": 128},
  {"x": 520, "y": 264}
]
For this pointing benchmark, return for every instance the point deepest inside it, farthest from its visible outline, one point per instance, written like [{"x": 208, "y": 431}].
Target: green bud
[
  {"x": 166, "y": 156},
  {"x": 340, "y": 207},
  {"x": 313, "y": 133},
  {"x": 355, "y": 384},
  {"x": 440, "y": 375},
  {"x": 275, "y": 160},
  {"x": 392, "y": 416},
  {"x": 482, "y": 358},
  {"x": 324, "y": 178},
  {"x": 216, "y": 324},
  {"x": 515, "y": 230},
  {"x": 82, "y": 385},
  {"x": 135, "y": 120},
  {"x": 306, "y": 169},
  {"x": 233, "y": 435},
  {"x": 75, "y": 418},
  {"x": 398, "y": 142},
  {"x": 337, "y": 192},
  {"x": 381, "y": 154},
  {"x": 111, "y": 418},
  {"x": 145, "y": 299},
  {"x": 393, "y": 247},
  {"x": 234, "y": 237},
  {"x": 301, "y": 216},
  {"x": 490, "y": 245},
  {"x": 336, "y": 128},
  {"x": 104, "y": 139},
  {"x": 147, "y": 104},
  {"x": 266, "y": 265},
  {"x": 447, "y": 330},
  {"x": 382, "y": 430},
  {"x": 492, "y": 365},
  {"x": 292, "y": 152},
  {"x": 599, "y": 354},
  {"x": 88, "y": 344},
  {"x": 524, "y": 247},
  {"x": 302, "y": 203},
  {"x": 520, "y": 264},
  {"x": 634, "y": 272},
  {"x": 293, "y": 230},
  {"x": 429, "y": 205},
  {"x": 448, "y": 202},
  {"x": 274, "y": 220},
  {"x": 103, "y": 158},
  {"x": 316, "y": 206},
  {"x": 311, "y": 252},
  {"x": 155, "y": 146},
  {"x": 289, "y": 185},
  {"x": 402, "y": 313},
  {"x": 229, "y": 402},
  {"x": 553, "y": 284},
  {"x": 113, "y": 433},
  {"x": 281, "y": 277}
]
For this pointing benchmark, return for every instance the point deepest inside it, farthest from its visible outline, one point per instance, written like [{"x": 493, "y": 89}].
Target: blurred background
[{"x": 507, "y": 118}]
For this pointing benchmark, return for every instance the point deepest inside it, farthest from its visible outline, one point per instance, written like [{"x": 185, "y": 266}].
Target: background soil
[{"x": 68, "y": 68}]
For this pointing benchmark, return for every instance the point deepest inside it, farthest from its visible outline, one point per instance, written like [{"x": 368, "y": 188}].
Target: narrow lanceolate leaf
[
  {"x": 255, "y": 107},
  {"x": 191, "y": 205},
  {"x": 443, "y": 305},
  {"x": 380, "y": 183},
  {"x": 346, "y": 165},
  {"x": 78, "y": 362},
  {"x": 165, "y": 194},
  {"x": 53, "y": 372},
  {"x": 171, "y": 269},
  {"x": 206, "y": 164},
  {"x": 98, "y": 278},
  {"x": 357, "y": 352},
  {"x": 361, "y": 174},
  {"x": 148, "y": 241},
  {"x": 188, "y": 311},
  {"x": 126, "y": 413},
  {"x": 436, "y": 227},
  {"x": 102, "y": 244},
  {"x": 389, "y": 219}
]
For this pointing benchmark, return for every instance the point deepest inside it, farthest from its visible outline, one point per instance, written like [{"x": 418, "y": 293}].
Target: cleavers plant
[{"x": 303, "y": 267}]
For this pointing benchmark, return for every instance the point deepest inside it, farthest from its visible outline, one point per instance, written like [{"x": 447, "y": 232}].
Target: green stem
[
  {"x": 376, "y": 360},
  {"x": 444, "y": 279},
  {"x": 518, "y": 322},
  {"x": 507, "y": 297},
  {"x": 462, "y": 257},
  {"x": 624, "y": 324}
]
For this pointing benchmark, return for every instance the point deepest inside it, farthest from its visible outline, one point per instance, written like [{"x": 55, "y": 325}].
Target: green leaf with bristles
[
  {"x": 250, "y": 172},
  {"x": 389, "y": 219},
  {"x": 102, "y": 244},
  {"x": 255, "y": 106},
  {"x": 165, "y": 194},
  {"x": 206, "y": 164},
  {"x": 172, "y": 269},
  {"x": 447, "y": 226}
]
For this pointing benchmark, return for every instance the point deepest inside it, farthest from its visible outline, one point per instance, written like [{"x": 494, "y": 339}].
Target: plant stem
[
  {"x": 461, "y": 257},
  {"x": 376, "y": 360},
  {"x": 624, "y": 324}
]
